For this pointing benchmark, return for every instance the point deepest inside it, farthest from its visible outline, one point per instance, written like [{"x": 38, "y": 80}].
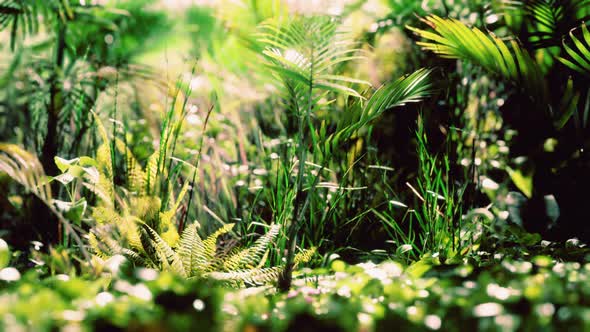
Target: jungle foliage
[{"x": 279, "y": 165}]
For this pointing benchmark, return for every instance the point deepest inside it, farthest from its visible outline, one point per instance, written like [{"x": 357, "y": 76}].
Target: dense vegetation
[{"x": 270, "y": 165}]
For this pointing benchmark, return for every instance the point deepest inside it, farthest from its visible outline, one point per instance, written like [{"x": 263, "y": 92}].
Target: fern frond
[
  {"x": 97, "y": 248},
  {"x": 454, "y": 40},
  {"x": 159, "y": 251},
  {"x": 253, "y": 277},
  {"x": 251, "y": 257},
  {"x": 104, "y": 246},
  {"x": 304, "y": 256},
  {"x": 192, "y": 251},
  {"x": 167, "y": 217},
  {"x": 135, "y": 174},
  {"x": 152, "y": 173},
  {"x": 104, "y": 215},
  {"x": 104, "y": 162},
  {"x": 210, "y": 243}
]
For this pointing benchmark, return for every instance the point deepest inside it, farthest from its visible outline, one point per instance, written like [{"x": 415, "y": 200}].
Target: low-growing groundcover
[
  {"x": 294, "y": 165},
  {"x": 496, "y": 294}
]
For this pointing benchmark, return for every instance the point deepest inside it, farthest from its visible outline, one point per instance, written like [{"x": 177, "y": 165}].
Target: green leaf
[
  {"x": 454, "y": 40},
  {"x": 579, "y": 52},
  {"x": 522, "y": 181},
  {"x": 418, "y": 269},
  {"x": 65, "y": 164},
  {"x": 4, "y": 254},
  {"x": 73, "y": 211}
]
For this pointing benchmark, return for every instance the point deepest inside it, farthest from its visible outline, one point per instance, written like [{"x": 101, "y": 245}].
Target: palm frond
[
  {"x": 23, "y": 16},
  {"x": 407, "y": 89},
  {"x": 578, "y": 51},
  {"x": 548, "y": 20},
  {"x": 26, "y": 169},
  {"x": 306, "y": 52},
  {"x": 454, "y": 40}
]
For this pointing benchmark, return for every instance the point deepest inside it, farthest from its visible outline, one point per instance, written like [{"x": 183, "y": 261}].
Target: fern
[
  {"x": 197, "y": 258},
  {"x": 250, "y": 257},
  {"x": 210, "y": 242},
  {"x": 253, "y": 277},
  {"x": 160, "y": 251},
  {"x": 192, "y": 251},
  {"x": 305, "y": 256},
  {"x": 260, "y": 276}
]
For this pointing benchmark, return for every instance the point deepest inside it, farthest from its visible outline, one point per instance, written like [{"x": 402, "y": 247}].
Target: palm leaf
[
  {"x": 407, "y": 89},
  {"x": 306, "y": 51},
  {"x": 454, "y": 40},
  {"x": 548, "y": 20},
  {"x": 26, "y": 169},
  {"x": 579, "y": 52},
  {"x": 23, "y": 16}
]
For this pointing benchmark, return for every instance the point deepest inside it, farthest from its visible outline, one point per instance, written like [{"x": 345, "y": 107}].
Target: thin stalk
[
  {"x": 51, "y": 143},
  {"x": 194, "y": 178}
]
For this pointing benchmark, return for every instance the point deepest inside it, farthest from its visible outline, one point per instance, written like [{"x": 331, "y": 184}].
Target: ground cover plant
[{"x": 273, "y": 165}]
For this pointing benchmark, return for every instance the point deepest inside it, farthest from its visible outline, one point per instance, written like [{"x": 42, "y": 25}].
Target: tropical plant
[
  {"x": 455, "y": 40},
  {"x": 556, "y": 97},
  {"x": 306, "y": 54},
  {"x": 194, "y": 257},
  {"x": 25, "y": 168},
  {"x": 64, "y": 58},
  {"x": 578, "y": 54},
  {"x": 543, "y": 23}
]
